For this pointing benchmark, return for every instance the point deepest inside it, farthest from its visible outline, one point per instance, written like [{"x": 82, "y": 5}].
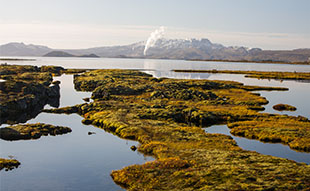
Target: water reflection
[
  {"x": 274, "y": 149},
  {"x": 155, "y": 64},
  {"x": 75, "y": 161}
]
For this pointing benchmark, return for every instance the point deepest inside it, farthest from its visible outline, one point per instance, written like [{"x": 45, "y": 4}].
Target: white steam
[{"x": 157, "y": 34}]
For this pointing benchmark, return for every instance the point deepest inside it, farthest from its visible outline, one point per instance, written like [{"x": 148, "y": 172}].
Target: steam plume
[{"x": 157, "y": 34}]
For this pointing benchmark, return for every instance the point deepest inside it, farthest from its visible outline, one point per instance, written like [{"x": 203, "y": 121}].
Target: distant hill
[
  {"x": 192, "y": 49},
  {"x": 65, "y": 54},
  {"x": 21, "y": 49},
  {"x": 58, "y": 54}
]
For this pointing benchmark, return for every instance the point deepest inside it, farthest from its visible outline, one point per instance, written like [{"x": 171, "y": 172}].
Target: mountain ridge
[{"x": 188, "y": 49}]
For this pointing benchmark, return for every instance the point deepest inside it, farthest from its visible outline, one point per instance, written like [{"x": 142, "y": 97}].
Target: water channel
[{"x": 78, "y": 161}]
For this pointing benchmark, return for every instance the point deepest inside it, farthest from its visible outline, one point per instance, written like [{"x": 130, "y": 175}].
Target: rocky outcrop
[
  {"x": 8, "y": 164},
  {"x": 25, "y": 91},
  {"x": 284, "y": 107},
  {"x": 31, "y": 131}
]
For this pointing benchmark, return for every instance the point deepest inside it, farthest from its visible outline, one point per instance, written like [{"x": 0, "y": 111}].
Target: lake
[{"x": 78, "y": 161}]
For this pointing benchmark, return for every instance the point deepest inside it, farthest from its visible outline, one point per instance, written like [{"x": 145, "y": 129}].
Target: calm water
[
  {"x": 159, "y": 65},
  {"x": 77, "y": 161}
]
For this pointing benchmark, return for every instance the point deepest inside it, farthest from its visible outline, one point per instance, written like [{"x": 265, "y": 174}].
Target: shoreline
[{"x": 251, "y": 61}]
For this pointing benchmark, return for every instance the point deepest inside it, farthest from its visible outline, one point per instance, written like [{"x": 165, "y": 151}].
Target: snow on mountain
[{"x": 167, "y": 49}]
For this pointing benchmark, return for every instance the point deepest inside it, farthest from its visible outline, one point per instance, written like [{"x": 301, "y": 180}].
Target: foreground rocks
[
  {"x": 164, "y": 115},
  {"x": 24, "y": 92},
  {"x": 8, "y": 164},
  {"x": 31, "y": 131},
  {"x": 26, "y": 89}
]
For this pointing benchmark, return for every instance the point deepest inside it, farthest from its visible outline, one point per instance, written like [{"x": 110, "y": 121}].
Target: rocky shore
[{"x": 26, "y": 89}]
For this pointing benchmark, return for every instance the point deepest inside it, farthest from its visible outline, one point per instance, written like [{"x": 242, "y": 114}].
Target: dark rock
[
  {"x": 133, "y": 147},
  {"x": 284, "y": 107},
  {"x": 86, "y": 99},
  {"x": 31, "y": 131}
]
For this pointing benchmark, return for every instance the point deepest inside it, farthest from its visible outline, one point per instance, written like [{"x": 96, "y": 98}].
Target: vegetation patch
[
  {"x": 31, "y": 131},
  {"x": 8, "y": 164},
  {"x": 293, "y": 131},
  {"x": 258, "y": 74},
  {"x": 284, "y": 107},
  {"x": 164, "y": 115}
]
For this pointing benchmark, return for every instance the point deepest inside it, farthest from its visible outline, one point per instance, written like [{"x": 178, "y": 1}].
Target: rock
[
  {"x": 31, "y": 131},
  {"x": 133, "y": 147},
  {"x": 91, "y": 133},
  {"x": 284, "y": 107},
  {"x": 86, "y": 99},
  {"x": 8, "y": 164}
]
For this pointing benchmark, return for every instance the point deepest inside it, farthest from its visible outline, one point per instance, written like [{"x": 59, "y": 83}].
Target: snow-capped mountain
[{"x": 202, "y": 49}]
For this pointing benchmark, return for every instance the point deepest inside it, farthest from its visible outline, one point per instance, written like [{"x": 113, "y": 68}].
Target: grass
[
  {"x": 293, "y": 131},
  {"x": 258, "y": 74},
  {"x": 165, "y": 116}
]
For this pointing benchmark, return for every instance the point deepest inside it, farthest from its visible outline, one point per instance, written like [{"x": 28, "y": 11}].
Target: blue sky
[{"x": 269, "y": 24}]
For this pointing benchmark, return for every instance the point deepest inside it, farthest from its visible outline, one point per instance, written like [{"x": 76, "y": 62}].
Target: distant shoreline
[
  {"x": 256, "y": 74},
  {"x": 16, "y": 59},
  {"x": 195, "y": 60},
  {"x": 252, "y": 61}
]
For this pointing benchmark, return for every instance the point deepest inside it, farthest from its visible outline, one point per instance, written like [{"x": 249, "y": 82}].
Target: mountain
[
  {"x": 20, "y": 49},
  {"x": 190, "y": 49}
]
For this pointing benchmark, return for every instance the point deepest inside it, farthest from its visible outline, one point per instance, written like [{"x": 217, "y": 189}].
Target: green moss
[
  {"x": 294, "y": 131},
  {"x": 163, "y": 115}
]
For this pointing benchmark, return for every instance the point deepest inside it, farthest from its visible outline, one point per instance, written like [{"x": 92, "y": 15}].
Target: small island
[
  {"x": 284, "y": 107},
  {"x": 8, "y": 164},
  {"x": 65, "y": 54},
  {"x": 31, "y": 131}
]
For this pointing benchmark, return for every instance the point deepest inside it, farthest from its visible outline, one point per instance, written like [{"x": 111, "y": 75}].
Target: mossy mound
[
  {"x": 31, "y": 131},
  {"x": 163, "y": 116},
  {"x": 294, "y": 131},
  {"x": 284, "y": 107},
  {"x": 8, "y": 164}
]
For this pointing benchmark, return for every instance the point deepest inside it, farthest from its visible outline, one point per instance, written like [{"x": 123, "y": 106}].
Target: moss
[
  {"x": 31, "y": 131},
  {"x": 293, "y": 131},
  {"x": 164, "y": 116},
  {"x": 258, "y": 74},
  {"x": 8, "y": 164},
  {"x": 283, "y": 107}
]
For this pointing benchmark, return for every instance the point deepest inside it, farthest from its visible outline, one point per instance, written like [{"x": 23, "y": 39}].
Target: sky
[{"x": 267, "y": 24}]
